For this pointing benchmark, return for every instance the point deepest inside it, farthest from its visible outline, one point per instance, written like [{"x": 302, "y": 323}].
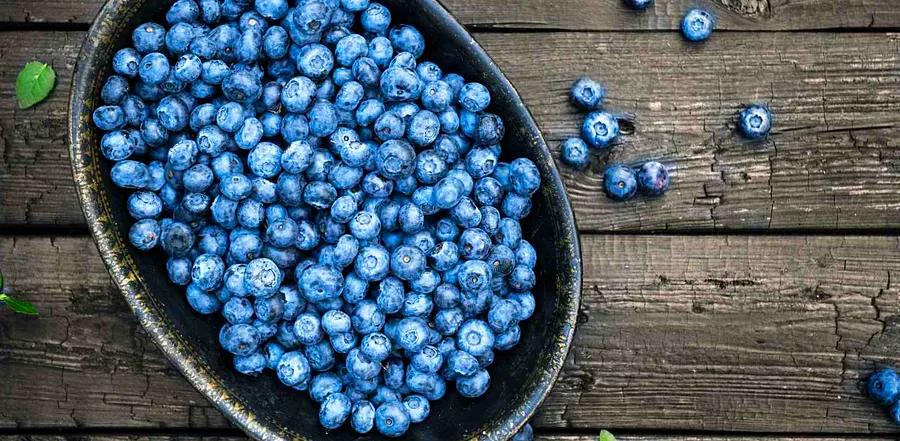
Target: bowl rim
[{"x": 125, "y": 274}]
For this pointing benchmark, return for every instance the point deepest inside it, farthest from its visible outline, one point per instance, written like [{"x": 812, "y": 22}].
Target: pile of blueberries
[
  {"x": 884, "y": 388},
  {"x": 338, "y": 200},
  {"x": 599, "y": 129}
]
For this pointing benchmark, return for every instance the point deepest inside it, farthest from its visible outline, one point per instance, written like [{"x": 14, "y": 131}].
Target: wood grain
[
  {"x": 595, "y": 15},
  {"x": 754, "y": 333},
  {"x": 833, "y": 163}
]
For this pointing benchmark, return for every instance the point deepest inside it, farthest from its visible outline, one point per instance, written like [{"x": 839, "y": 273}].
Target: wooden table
[{"x": 748, "y": 303}]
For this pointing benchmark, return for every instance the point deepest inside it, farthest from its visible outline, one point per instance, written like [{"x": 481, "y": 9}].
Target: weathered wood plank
[
  {"x": 35, "y": 176},
  {"x": 596, "y": 15},
  {"x": 539, "y": 437},
  {"x": 756, "y": 333},
  {"x": 832, "y": 165}
]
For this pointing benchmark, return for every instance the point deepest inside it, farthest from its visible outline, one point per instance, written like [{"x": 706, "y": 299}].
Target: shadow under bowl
[{"x": 265, "y": 409}]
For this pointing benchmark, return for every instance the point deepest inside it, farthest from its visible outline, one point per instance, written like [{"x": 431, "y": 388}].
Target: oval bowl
[{"x": 261, "y": 406}]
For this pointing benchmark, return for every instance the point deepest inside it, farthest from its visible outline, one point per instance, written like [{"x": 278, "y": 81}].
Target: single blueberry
[
  {"x": 620, "y": 182},
  {"x": 697, "y": 24}
]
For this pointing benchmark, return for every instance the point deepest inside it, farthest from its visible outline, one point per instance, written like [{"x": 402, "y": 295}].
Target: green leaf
[
  {"x": 20, "y": 306},
  {"x": 1, "y": 280},
  {"x": 606, "y": 436},
  {"x": 34, "y": 83}
]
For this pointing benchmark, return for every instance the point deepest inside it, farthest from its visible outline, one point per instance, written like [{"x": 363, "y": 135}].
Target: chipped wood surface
[
  {"x": 833, "y": 163},
  {"x": 739, "y": 333}
]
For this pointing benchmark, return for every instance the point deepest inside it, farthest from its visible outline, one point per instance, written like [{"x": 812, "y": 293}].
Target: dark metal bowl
[{"x": 521, "y": 378}]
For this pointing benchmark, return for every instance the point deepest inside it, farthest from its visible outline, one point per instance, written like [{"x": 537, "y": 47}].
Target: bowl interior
[{"x": 520, "y": 378}]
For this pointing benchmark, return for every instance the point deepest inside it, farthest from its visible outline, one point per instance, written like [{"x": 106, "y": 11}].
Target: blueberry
[
  {"x": 172, "y": 113},
  {"x": 653, "y": 178},
  {"x": 148, "y": 37},
  {"x": 297, "y": 94},
  {"x": 407, "y": 262},
  {"x": 183, "y": 11},
  {"x": 177, "y": 239},
  {"x": 271, "y": 9},
  {"x": 323, "y": 385},
  {"x": 109, "y": 118},
  {"x": 375, "y": 19},
  {"x": 322, "y": 119},
  {"x": 178, "y": 269},
  {"x": 308, "y": 329},
  {"x": 697, "y": 24},
  {"x": 114, "y": 90},
  {"x": 238, "y": 310},
  {"x": 392, "y": 419},
  {"x": 475, "y": 337},
  {"x": 294, "y": 127},
  {"x": 276, "y": 42},
  {"x": 587, "y": 93},
  {"x": 321, "y": 282},
  {"x": 575, "y": 153},
  {"x": 460, "y": 364},
  {"x": 418, "y": 408},
  {"x": 446, "y": 148},
  {"x": 349, "y": 96},
  {"x": 144, "y": 234},
  {"x": 126, "y": 62},
  {"x": 235, "y": 186},
  {"x": 362, "y": 416},
  {"x": 424, "y": 128},
  {"x": 130, "y": 174},
  {"x": 293, "y": 368},
  {"x": 154, "y": 68},
  {"x": 755, "y": 121},
  {"x": 179, "y": 38},
  {"x": 428, "y": 360},
  {"x": 399, "y": 84},
  {"x": 315, "y": 61},
  {"x": 375, "y": 347},
  {"x": 475, "y": 385},
  {"x": 243, "y": 87},
  {"x": 395, "y": 159},
  {"x": 474, "y": 97},
  {"x": 884, "y": 386},
  {"x": 214, "y": 72},
  {"x": 429, "y": 72},
  {"x": 343, "y": 342},
  {"x": 599, "y": 129},
  {"x": 466, "y": 213},
  {"x": 144, "y": 205},
  {"x": 262, "y": 278},
  {"x": 620, "y": 182},
  {"x": 372, "y": 263},
  {"x": 240, "y": 339},
  {"x": 389, "y": 126},
  {"x": 320, "y": 355}
]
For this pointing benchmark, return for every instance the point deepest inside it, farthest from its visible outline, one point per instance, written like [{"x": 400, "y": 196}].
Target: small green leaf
[
  {"x": 34, "y": 83},
  {"x": 1, "y": 280},
  {"x": 20, "y": 306},
  {"x": 606, "y": 436}
]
